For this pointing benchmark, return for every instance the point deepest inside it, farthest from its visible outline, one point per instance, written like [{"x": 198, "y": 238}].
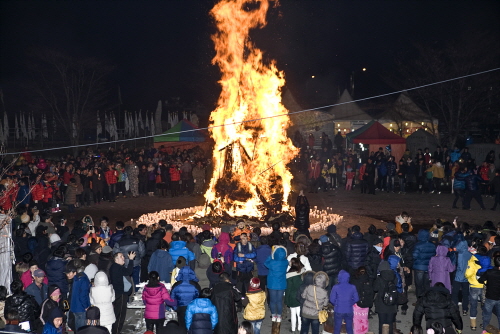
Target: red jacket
[
  {"x": 66, "y": 177},
  {"x": 175, "y": 174},
  {"x": 111, "y": 176},
  {"x": 314, "y": 170},
  {"x": 37, "y": 192},
  {"x": 48, "y": 193}
]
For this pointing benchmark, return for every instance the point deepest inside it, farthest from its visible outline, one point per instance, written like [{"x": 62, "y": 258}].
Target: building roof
[{"x": 347, "y": 110}]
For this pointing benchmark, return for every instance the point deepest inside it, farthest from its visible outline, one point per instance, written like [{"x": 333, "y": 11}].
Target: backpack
[
  {"x": 390, "y": 294},
  {"x": 365, "y": 295}
]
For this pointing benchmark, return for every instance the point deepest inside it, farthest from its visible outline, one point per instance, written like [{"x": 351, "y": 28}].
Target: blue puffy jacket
[
  {"x": 262, "y": 253},
  {"x": 201, "y": 316},
  {"x": 186, "y": 289},
  {"x": 242, "y": 263},
  {"x": 423, "y": 251},
  {"x": 462, "y": 261},
  {"x": 178, "y": 248},
  {"x": 80, "y": 299},
  {"x": 459, "y": 181},
  {"x": 484, "y": 262},
  {"x": 277, "y": 265},
  {"x": 115, "y": 237},
  {"x": 393, "y": 262},
  {"x": 54, "y": 270}
]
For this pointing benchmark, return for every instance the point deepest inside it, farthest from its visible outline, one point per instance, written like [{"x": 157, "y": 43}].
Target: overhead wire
[{"x": 258, "y": 119}]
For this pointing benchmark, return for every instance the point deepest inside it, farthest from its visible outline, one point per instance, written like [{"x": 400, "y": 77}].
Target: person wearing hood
[
  {"x": 356, "y": 250},
  {"x": 461, "y": 283},
  {"x": 178, "y": 248},
  {"x": 224, "y": 297},
  {"x": 293, "y": 282},
  {"x": 155, "y": 296},
  {"x": 343, "y": 296},
  {"x": 55, "y": 270},
  {"x": 102, "y": 295},
  {"x": 94, "y": 323},
  {"x": 161, "y": 262},
  {"x": 364, "y": 287},
  {"x": 222, "y": 248},
  {"x": 53, "y": 301},
  {"x": 373, "y": 259},
  {"x": 185, "y": 291},
  {"x": 315, "y": 298},
  {"x": 255, "y": 305},
  {"x": 437, "y": 305},
  {"x": 440, "y": 267},
  {"x": 276, "y": 280},
  {"x": 54, "y": 323},
  {"x": 422, "y": 253},
  {"x": 386, "y": 313},
  {"x": 201, "y": 314},
  {"x": 475, "y": 290}
]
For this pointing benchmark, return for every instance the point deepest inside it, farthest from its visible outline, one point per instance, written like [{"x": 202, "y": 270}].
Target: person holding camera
[
  {"x": 129, "y": 243},
  {"x": 120, "y": 279}
]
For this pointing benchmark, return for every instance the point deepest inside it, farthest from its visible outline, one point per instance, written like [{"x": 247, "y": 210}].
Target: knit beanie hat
[
  {"x": 390, "y": 226},
  {"x": 54, "y": 238},
  {"x": 56, "y": 292},
  {"x": 254, "y": 284},
  {"x": 384, "y": 265},
  {"x": 181, "y": 262}
]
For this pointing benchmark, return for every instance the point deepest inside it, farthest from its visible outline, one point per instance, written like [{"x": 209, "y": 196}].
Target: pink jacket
[{"x": 155, "y": 298}]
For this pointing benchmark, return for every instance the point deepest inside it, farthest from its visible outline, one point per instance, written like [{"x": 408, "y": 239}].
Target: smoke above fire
[{"x": 252, "y": 150}]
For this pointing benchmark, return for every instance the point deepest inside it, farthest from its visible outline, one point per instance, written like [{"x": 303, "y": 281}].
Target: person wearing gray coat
[{"x": 314, "y": 294}]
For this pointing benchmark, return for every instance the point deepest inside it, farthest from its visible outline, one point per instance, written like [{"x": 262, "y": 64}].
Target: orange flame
[{"x": 252, "y": 149}]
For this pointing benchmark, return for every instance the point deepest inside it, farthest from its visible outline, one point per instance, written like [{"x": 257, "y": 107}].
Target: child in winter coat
[
  {"x": 185, "y": 291},
  {"x": 54, "y": 325},
  {"x": 255, "y": 300},
  {"x": 201, "y": 314},
  {"x": 155, "y": 296},
  {"x": 180, "y": 263},
  {"x": 440, "y": 267},
  {"x": 293, "y": 282},
  {"x": 276, "y": 280},
  {"x": 343, "y": 297}
]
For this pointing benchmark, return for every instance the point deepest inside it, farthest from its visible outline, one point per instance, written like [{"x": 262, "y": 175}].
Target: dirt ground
[{"x": 357, "y": 208}]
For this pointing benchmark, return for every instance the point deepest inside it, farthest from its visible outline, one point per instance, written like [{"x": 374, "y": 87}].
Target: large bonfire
[{"x": 252, "y": 150}]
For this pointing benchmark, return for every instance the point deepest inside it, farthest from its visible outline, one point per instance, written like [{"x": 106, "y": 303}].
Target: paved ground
[{"x": 355, "y": 207}]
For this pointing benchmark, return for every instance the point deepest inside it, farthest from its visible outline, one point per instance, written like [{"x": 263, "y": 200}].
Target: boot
[
  {"x": 275, "y": 329},
  {"x": 395, "y": 330},
  {"x": 473, "y": 324}
]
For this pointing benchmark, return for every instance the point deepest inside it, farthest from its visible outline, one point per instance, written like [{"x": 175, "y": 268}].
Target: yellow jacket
[
  {"x": 471, "y": 273},
  {"x": 437, "y": 172},
  {"x": 256, "y": 308}
]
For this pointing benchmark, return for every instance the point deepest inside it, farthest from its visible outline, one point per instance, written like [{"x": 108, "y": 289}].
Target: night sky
[{"x": 161, "y": 49}]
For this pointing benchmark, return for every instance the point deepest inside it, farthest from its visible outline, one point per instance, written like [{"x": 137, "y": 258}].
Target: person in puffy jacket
[
  {"x": 21, "y": 302},
  {"x": 422, "y": 253},
  {"x": 54, "y": 323},
  {"x": 459, "y": 188},
  {"x": 80, "y": 300},
  {"x": 332, "y": 256},
  {"x": 373, "y": 259},
  {"x": 155, "y": 296},
  {"x": 185, "y": 291},
  {"x": 244, "y": 253},
  {"x": 314, "y": 294},
  {"x": 128, "y": 243},
  {"x": 161, "y": 262},
  {"x": 440, "y": 267},
  {"x": 102, "y": 295},
  {"x": 343, "y": 296},
  {"x": 255, "y": 305},
  {"x": 262, "y": 253},
  {"x": 472, "y": 182},
  {"x": 302, "y": 214},
  {"x": 437, "y": 305},
  {"x": 293, "y": 283},
  {"x": 201, "y": 314},
  {"x": 276, "y": 281},
  {"x": 178, "y": 248},
  {"x": 224, "y": 297},
  {"x": 223, "y": 248},
  {"x": 53, "y": 301},
  {"x": 475, "y": 290},
  {"x": 386, "y": 313},
  {"x": 356, "y": 251}
]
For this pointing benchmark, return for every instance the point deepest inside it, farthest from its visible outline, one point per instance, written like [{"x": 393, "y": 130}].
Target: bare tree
[
  {"x": 73, "y": 88},
  {"x": 458, "y": 103}
]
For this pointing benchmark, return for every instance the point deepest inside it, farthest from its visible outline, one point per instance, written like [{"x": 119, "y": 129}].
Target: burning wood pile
[{"x": 252, "y": 150}]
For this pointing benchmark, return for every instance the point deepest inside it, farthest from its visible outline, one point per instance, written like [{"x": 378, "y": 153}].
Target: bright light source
[
  {"x": 312, "y": 76},
  {"x": 390, "y": 125},
  {"x": 422, "y": 123},
  {"x": 364, "y": 69},
  {"x": 407, "y": 130},
  {"x": 345, "y": 130},
  {"x": 406, "y": 123},
  {"x": 425, "y": 129},
  {"x": 338, "y": 125}
]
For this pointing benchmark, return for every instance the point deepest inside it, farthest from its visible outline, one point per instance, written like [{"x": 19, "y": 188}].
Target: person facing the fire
[{"x": 302, "y": 215}]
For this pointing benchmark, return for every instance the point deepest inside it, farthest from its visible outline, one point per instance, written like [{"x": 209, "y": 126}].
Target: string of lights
[{"x": 262, "y": 118}]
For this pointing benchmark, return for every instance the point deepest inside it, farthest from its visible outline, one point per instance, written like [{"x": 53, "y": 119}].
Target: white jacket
[{"x": 102, "y": 295}]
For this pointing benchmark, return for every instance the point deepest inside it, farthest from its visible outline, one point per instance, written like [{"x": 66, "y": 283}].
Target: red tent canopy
[{"x": 378, "y": 134}]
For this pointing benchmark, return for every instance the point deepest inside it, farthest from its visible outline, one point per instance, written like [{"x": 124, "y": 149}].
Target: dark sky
[{"x": 162, "y": 49}]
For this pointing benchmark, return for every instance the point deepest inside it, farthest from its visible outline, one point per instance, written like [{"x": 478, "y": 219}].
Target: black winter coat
[
  {"x": 364, "y": 287},
  {"x": 55, "y": 274},
  {"x": 410, "y": 240},
  {"x": 315, "y": 258},
  {"x": 379, "y": 287},
  {"x": 356, "y": 251},
  {"x": 302, "y": 214},
  {"x": 333, "y": 258},
  {"x": 436, "y": 304},
  {"x": 224, "y": 297},
  {"x": 24, "y": 304},
  {"x": 372, "y": 262}
]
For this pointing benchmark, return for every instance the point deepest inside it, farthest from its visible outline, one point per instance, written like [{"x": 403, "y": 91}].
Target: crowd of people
[
  {"x": 82, "y": 279},
  {"x": 444, "y": 170}
]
